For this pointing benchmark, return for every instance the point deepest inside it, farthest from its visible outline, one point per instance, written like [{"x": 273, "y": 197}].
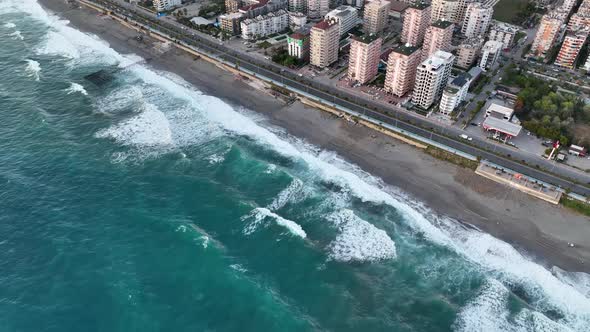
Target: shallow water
[{"x": 146, "y": 205}]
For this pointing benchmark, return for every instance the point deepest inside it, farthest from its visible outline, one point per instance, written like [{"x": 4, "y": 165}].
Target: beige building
[
  {"x": 232, "y": 6},
  {"x": 317, "y": 8},
  {"x": 416, "y": 21},
  {"x": 230, "y": 23},
  {"x": 548, "y": 34},
  {"x": 477, "y": 20},
  {"x": 503, "y": 32},
  {"x": 468, "y": 52},
  {"x": 401, "y": 69},
  {"x": 432, "y": 76},
  {"x": 375, "y": 17},
  {"x": 438, "y": 37},
  {"x": 446, "y": 10},
  {"x": 324, "y": 37},
  {"x": 364, "y": 58}
]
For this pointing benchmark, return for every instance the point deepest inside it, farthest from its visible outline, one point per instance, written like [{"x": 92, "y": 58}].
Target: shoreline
[{"x": 543, "y": 231}]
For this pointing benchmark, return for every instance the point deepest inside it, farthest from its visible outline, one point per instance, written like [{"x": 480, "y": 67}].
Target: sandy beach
[{"x": 541, "y": 230}]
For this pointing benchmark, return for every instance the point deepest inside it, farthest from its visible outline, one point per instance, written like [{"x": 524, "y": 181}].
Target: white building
[
  {"x": 346, "y": 17},
  {"x": 503, "y": 32},
  {"x": 297, "y": 20},
  {"x": 265, "y": 25},
  {"x": 298, "y": 45},
  {"x": 431, "y": 78},
  {"x": 477, "y": 20},
  {"x": 454, "y": 93},
  {"x": 499, "y": 111},
  {"x": 299, "y": 6},
  {"x": 489, "y": 54},
  {"x": 162, "y": 5}
]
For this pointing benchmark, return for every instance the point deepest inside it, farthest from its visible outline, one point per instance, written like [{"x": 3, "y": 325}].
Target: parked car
[{"x": 548, "y": 143}]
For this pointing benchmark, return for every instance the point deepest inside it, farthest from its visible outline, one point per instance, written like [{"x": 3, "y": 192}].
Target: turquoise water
[{"x": 143, "y": 205}]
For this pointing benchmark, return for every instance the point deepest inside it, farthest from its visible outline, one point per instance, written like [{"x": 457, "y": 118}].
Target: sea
[{"x": 145, "y": 205}]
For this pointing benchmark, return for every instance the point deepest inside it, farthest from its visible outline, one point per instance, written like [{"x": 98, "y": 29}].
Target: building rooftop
[
  {"x": 323, "y": 25},
  {"x": 442, "y": 24},
  {"x": 501, "y": 125},
  {"x": 364, "y": 38},
  {"x": 492, "y": 46},
  {"x": 461, "y": 80},
  {"x": 398, "y": 6},
  {"x": 406, "y": 49},
  {"x": 342, "y": 11},
  {"x": 298, "y": 36},
  {"x": 418, "y": 5}
]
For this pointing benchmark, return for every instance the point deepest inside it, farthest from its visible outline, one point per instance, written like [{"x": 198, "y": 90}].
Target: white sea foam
[
  {"x": 359, "y": 240},
  {"x": 33, "y": 69},
  {"x": 16, "y": 35},
  {"x": 216, "y": 158},
  {"x": 121, "y": 99},
  {"x": 259, "y": 217},
  {"x": 148, "y": 128},
  {"x": 499, "y": 258},
  {"x": 488, "y": 312},
  {"x": 578, "y": 280},
  {"x": 75, "y": 87},
  {"x": 292, "y": 194},
  {"x": 271, "y": 168},
  {"x": 9, "y": 25}
]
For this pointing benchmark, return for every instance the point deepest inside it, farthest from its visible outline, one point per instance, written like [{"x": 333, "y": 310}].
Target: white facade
[
  {"x": 265, "y": 25},
  {"x": 431, "y": 77},
  {"x": 297, "y": 20},
  {"x": 454, "y": 93},
  {"x": 489, "y": 54},
  {"x": 162, "y": 5},
  {"x": 346, "y": 17},
  {"x": 477, "y": 20},
  {"x": 299, "y": 6},
  {"x": 503, "y": 32}
]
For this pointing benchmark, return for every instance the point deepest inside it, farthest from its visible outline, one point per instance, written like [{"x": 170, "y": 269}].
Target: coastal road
[{"x": 447, "y": 135}]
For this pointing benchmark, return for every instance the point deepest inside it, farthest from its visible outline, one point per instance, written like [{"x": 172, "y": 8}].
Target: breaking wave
[
  {"x": 9, "y": 25},
  {"x": 75, "y": 87},
  {"x": 17, "y": 35},
  {"x": 260, "y": 215},
  {"x": 33, "y": 69}
]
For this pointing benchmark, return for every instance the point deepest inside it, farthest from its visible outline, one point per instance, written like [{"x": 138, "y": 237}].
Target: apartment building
[
  {"x": 454, "y": 93},
  {"x": 230, "y": 23},
  {"x": 445, "y": 10},
  {"x": 477, "y": 20},
  {"x": 345, "y": 16},
  {"x": 363, "y": 63},
  {"x": 549, "y": 33},
  {"x": 264, "y": 25},
  {"x": 431, "y": 78},
  {"x": 570, "y": 49},
  {"x": 375, "y": 16},
  {"x": 232, "y": 6},
  {"x": 489, "y": 54},
  {"x": 298, "y": 6},
  {"x": 416, "y": 21},
  {"x": 468, "y": 51},
  {"x": 298, "y": 45},
  {"x": 438, "y": 37},
  {"x": 162, "y": 5},
  {"x": 503, "y": 32},
  {"x": 324, "y": 37},
  {"x": 317, "y": 8},
  {"x": 401, "y": 69},
  {"x": 297, "y": 20}
]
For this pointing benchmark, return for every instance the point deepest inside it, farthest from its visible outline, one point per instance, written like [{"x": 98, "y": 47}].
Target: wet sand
[{"x": 536, "y": 228}]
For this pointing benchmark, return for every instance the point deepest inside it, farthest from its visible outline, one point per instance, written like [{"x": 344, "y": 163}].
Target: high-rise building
[
  {"x": 317, "y": 8},
  {"x": 468, "y": 52},
  {"x": 364, "y": 58},
  {"x": 503, "y": 32},
  {"x": 230, "y": 23},
  {"x": 548, "y": 33},
  {"x": 489, "y": 54},
  {"x": 477, "y": 20},
  {"x": 570, "y": 49},
  {"x": 298, "y": 45},
  {"x": 431, "y": 78},
  {"x": 401, "y": 69},
  {"x": 324, "y": 39},
  {"x": 438, "y": 37},
  {"x": 232, "y": 6},
  {"x": 297, "y": 6},
  {"x": 346, "y": 16},
  {"x": 416, "y": 21},
  {"x": 461, "y": 10},
  {"x": 445, "y": 10},
  {"x": 297, "y": 20},
  {"x": 376, "y": 13},
  {"x": 162, "y": 5},
  {"x": 454, "y": 93}
]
